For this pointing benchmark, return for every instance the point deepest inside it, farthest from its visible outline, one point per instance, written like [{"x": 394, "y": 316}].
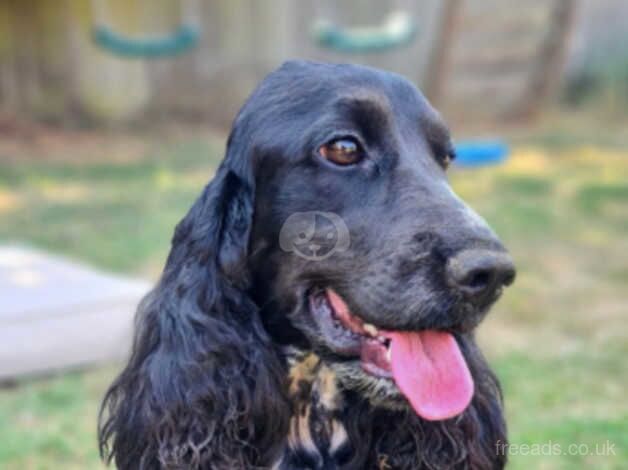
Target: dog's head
[
  {"x": 330, "y": 227},
  {"x": 360, "y": 250}
]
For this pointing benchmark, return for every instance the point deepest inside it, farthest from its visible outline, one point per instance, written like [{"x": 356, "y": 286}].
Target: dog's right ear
[{"x": 204, "y": 386}]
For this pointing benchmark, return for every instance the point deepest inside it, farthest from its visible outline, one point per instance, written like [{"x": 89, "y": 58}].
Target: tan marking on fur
[
  {"x": 338, "y": 436},
  {"x": 304, "y": 370},
  {"x": 324, "y": 394},
  {"x": 327, "y": 387},
  {"x": 300, "y": 436},
  {"x": 382, "y": 462}
]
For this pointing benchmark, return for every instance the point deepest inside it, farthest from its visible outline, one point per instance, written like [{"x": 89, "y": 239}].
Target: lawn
[{"x": 558, "y": 339}]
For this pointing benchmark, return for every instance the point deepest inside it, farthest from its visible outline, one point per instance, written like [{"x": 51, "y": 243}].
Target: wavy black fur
[{"x": 203, "y": 377}]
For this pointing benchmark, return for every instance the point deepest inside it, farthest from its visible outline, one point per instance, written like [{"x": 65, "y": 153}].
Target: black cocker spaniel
[{"x": 318, "y": 304}]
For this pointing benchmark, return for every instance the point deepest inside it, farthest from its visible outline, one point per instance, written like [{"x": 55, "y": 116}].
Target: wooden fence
[{"x": 487, "y": 58}]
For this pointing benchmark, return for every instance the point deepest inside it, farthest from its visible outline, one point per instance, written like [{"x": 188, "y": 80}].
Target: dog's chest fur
[{"x": 317, "y": 438}]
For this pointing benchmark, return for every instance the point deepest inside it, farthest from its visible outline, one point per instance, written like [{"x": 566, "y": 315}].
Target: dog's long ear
[{"x": 203, "y": 383}]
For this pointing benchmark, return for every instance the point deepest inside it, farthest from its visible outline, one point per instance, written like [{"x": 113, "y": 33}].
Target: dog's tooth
[
  {"x": 388, "y": 354},
  {"x": 370, "y": 329}
]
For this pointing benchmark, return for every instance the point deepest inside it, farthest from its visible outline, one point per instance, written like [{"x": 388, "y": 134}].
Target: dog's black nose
[{"x": 478, "y": 274}]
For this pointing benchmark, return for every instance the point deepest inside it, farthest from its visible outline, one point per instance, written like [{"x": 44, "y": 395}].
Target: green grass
[
  {"x": 50, "y": 423},
  {"x": 575, "y": 408},
  {"x": 558, "y": 339},
  {"x": 117, "y": 215}
]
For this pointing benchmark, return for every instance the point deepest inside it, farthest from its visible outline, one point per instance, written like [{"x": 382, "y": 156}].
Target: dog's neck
[
  {"x": 317, "y": 437},
  {"x": 331, "y": 427}
]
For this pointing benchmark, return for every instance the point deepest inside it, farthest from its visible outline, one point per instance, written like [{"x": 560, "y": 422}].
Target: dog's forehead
[
  {"x": 327, "y": 81},
  {"x": 382, "y": 93}
]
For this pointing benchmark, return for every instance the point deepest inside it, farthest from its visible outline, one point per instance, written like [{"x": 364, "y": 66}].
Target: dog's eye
[
  {"x": 446, "y": 161},
  {"x": 447, "y": 158},
  {"x": 343, "y": 151}
]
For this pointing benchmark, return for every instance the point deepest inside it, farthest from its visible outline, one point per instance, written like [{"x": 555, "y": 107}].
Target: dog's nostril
[
  {"x": 479, "y": 279},
  {"x": 478, "y": 274}
]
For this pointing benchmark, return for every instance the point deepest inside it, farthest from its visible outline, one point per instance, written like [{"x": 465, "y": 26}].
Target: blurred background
[{"x": 114, "y": 114}]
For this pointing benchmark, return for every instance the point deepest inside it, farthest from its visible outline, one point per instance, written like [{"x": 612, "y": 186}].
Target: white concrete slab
[{"x": 56, "y": 314}]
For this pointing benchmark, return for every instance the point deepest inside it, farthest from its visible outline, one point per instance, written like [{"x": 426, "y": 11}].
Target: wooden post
[
  {"x": 550, "y": 63},
  {"x": 8, "y": 74},
  {"x": 438, "y": 65}
]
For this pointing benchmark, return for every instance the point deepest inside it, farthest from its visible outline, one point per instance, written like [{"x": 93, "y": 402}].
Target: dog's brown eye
[
  {"x": 343, "y": 151},
  {"x": 446, "y": 158}
]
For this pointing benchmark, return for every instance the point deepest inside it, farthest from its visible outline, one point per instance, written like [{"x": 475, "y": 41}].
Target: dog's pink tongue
[{"x": 431, "y": 372}]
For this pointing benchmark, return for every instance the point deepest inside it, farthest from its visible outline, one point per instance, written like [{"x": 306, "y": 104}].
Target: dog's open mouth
[{"x": 427, "y": 366}]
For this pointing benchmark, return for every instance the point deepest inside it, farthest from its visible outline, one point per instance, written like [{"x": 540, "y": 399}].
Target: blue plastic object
[
  {"x": 481, "y": 152},
  {"x": 181, "y": 40}
]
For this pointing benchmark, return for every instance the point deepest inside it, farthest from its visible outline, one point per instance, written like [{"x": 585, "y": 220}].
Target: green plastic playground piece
[
  {"x": 181, "y": 40},
  {"x": 398, "y": 30}
]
